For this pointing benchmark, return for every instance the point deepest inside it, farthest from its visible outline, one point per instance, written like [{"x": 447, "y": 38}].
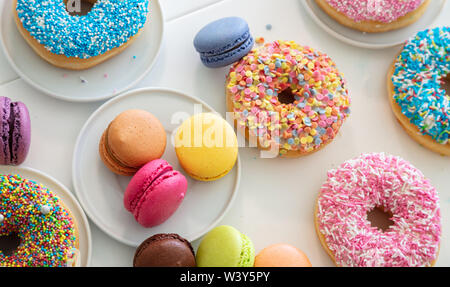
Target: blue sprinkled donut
[
  {"x": 109, "y": 25},
  {"x": 419, "y": 72}
]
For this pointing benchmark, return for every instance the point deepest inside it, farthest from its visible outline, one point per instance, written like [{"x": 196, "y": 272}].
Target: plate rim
[
  {"x": 306, "y": 4},
  {"x": 72, "y": 197},
  {"x": 83, "y": 100},
  {"x": 113, "y": 101}
]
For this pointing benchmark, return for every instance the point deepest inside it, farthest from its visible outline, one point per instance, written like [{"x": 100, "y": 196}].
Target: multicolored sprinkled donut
[
  {"x": 415, "y": 87},
  {"x": 379, "y": 181},
  {"x": 288, "y": 96},
  {"x": 111, "y": 24},
  {"x": 374, "y": 15},
  {"x": 47, "y": 232}
]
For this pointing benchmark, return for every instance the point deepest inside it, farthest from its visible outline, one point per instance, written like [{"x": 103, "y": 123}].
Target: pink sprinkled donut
[
  {"x": 374, "y": 16},
  {"x": 379, "y": 181}
]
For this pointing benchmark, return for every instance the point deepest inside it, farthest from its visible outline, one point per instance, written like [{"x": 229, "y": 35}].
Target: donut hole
[
  {"x": 446, "y": 84},
  {"x": 286, "y": 97},
  {"x": 79, "y": 7},
  {"x": 380, "y": 219},
  {"x": 9, "y": 243}
]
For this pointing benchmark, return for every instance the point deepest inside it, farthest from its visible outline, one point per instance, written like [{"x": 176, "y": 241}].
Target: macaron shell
[
  {"x": 21, "y": 135},
  {"x": 110, "y": 163},
  {"x": 5, "y": 110},
  {"x": 221, "y": 35},
  {"x": 165, "y": 250},
  {"x": 197, "y": 162},
  {"x": 206, "y": 146},
  {"x": 142, "y": 181},
  {"x": 221, "y": 247},
  {"x": 281, "y": 255},
  {"x": 136, "y": 137},
  {"x": 161, "y": 200},
  {"x": 229, "y": 57}
]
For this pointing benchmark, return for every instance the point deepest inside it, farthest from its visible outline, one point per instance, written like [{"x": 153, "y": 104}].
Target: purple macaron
[{"x": 15, "y": 132}]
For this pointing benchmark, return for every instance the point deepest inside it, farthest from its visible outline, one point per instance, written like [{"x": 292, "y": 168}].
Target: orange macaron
[
  {"x": 132, "y": 139},
  {"x": 281, "y": 255}
]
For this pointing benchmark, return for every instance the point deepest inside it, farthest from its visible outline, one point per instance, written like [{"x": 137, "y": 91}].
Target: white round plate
[
  {"x": 101, "y": 192},
  {"x": 69, "y": 200},
  {"x": 372, "y": 40},
  {"x": 101, "y": 82}
]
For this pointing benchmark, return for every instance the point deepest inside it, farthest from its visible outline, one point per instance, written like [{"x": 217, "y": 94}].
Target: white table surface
[{"x": 276, "y": 198}]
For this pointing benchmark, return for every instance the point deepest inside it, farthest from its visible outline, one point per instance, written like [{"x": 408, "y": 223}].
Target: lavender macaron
[
  {"x": 15, "y": 132},
  {"x": 223, "y": 42}
]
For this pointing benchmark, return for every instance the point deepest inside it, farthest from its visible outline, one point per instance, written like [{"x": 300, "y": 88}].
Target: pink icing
[
  {"x": 378, "y": 180},
  {"x": 385, "y": 11}
]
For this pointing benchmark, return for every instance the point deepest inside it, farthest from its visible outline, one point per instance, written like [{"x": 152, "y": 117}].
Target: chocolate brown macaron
[
  {"x": 132, "y": 139},
  {"x": 165, "y": 250}
]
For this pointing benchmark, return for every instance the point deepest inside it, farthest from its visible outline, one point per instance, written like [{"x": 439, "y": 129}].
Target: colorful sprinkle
[
  {"x": 109, "y": 24},
  {"x": 379, "y": 181},
  {"x": 419, "y": 70},
  {"x": 385, "y": 11},
  {"x": 45, "y": 240},
  {"x": 287, "y": 66}
]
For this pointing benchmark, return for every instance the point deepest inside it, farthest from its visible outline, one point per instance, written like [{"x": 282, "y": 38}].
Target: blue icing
[
  {"x": 422, "y": 64},
  {"x": 109, "y": 24}
]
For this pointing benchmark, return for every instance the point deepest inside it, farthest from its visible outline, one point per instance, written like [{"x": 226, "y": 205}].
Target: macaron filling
[
  {"x": 12, "y": 118},
  {"x": 227, "y": 48},
  {"x": 6, "y": 128},
  {"x": 14, "y": 137},
  {"x": 218, "y": 176},
  {"x": 247, "y": 252},
  {"x": 230, "y": 56}
]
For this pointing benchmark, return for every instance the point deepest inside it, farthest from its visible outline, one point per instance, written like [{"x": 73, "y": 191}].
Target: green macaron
[{"x": 225, "y": 246}]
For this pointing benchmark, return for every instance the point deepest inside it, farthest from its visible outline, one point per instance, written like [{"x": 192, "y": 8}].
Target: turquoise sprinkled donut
[
  {"x": 420, "y": 70},
  {"x": 109, "y": 25},
  {"x": 47, "y": 232}
]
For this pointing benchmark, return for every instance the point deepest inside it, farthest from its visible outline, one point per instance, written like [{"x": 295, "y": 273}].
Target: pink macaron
[{"x": 155, "y": 193}]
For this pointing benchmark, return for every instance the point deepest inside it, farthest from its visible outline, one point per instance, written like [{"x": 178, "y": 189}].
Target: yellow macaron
[{"x": 206, "y": 146}]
